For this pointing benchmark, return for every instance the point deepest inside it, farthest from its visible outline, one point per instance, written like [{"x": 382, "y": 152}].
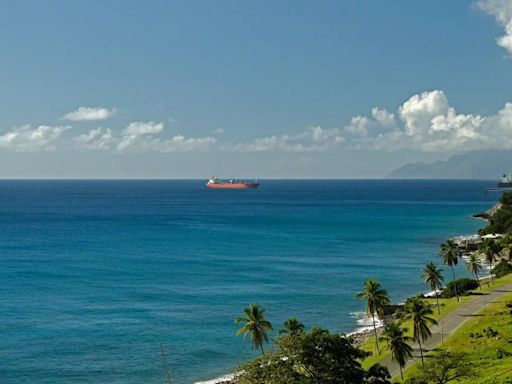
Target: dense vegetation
[
  {"x": 502, "y": 268},
  {"x": 501, "y": 220},
  {"x": 316, "y": 357}
]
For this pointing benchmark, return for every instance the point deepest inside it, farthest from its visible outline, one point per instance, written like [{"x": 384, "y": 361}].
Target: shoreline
[
  {"x": 359, "y": 335},
  {"x": 363, "y": 333}
]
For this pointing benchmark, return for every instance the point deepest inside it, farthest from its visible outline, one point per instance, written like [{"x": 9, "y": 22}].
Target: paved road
[{"x": 450, "y": 324}]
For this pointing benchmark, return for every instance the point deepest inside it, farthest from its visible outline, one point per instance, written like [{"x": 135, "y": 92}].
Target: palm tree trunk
[
  {"x": 375, "y": 333},
  {"x": 455, "y": 284},
  {"x": 437, "y": 300},
  {"x": 262, "y": 351},
  {"x": 401, "y": 373},
  {"x": 490, "y": 270},
  {"x": 478, "y": 280},
  {"x": 421, "y": 352}
]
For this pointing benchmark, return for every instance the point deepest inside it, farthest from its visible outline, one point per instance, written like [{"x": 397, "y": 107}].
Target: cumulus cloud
[
  {"x": 141, "y": 137},
  {"x": 143, "y": 128},
  {"x": 359, "y": 125},
  {"x": 424, "y": 122},
  {"x": 428, "y": 122},
  {"x": 310, "y": 140},
  {"x": 89, "y": 114},
  {"x": 97, "y": 138},
  {"x": 362, "y": 125},
  {"x": 383, "y": 117},
  {"x": 26, "y": 138},
  {"x": 502, "y": 12},
  {"x": 177, "y": 143}
]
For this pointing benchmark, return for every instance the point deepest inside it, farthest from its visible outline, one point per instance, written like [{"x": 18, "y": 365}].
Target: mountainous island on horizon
[{"x": 486, "y": 164}]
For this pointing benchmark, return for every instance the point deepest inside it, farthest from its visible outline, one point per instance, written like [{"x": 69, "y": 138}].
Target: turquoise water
[{"x": 94, "y": 275}]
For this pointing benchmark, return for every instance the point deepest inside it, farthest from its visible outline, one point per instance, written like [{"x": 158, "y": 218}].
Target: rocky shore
[
  {"x": 490, "y": 212},
  {"x": 361, "y": 336}
]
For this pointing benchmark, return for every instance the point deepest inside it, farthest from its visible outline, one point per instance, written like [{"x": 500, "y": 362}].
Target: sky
[{"x": 266, "y": 89}]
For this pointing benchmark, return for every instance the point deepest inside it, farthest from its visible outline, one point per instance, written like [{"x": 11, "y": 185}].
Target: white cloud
[
  {"x": 359, "y": 125},
  {"x": 419, "y": 110},
  {"x": 383, "y": 117},
  {"x": 89, "y": 114},
  {"x": 502, "y": 12},
  {"x": 428, "y": 123},
  {"x": 177, "y": 143},
  {"x": 180, "y": 143},
  {"x": 26, "y": 138},
  {"x": 311, "y": 140},
  {"x": 143, "y": 128},
  {"x": 96, "y": 139},
  {"x": 141, "y": 137}
]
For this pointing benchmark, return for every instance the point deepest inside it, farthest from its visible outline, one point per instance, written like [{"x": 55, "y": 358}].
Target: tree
[
  {"x": 434, "y": 276},
  {"x": 450, "y": 253},
  {"x": 419, "y": 312},
  {"x": 316, "y": 357},
  {"x": 506, "y": 243},
  {"x": 377, "y": 298},
  {"x": 292, "y": 327},
  {"x": 396, "y": 341},
  {"x": 255, "y": 324},
  {"x": 490, "y": 249},
  {"x": 474, "y": 265},
  {"x": 443, "y": 367}
]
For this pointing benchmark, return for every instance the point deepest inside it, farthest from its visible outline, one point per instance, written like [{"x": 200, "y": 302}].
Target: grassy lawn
[
  {"x": 491, "y": 356},
  {"x": 447, "y": 306}
]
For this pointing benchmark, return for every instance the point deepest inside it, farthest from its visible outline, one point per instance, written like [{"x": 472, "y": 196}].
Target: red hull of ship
[{"x": 233, "y": 185}]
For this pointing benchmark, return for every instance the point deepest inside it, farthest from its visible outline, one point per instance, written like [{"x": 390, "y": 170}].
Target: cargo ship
[
  {"x": 214, "y": 182},
  {"x": 505, "y": 182}
]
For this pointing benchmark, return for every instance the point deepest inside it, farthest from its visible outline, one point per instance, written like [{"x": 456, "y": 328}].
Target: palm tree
[
  {"x": 292, "y": 327},
  {"x": 419, "y": 312},
  {"x": 255, "y": 324},
  {"x": 377, "y": 298},
  {"x": 396, "y": 341},
  {"x": 490, "y": 249},
  {"x": 434, "y": 276},
  {"x": 450, "y": 253},
  {"x": 474, "y": 265}
]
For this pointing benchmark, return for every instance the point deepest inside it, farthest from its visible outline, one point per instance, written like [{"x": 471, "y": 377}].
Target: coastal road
[{"x": 450, "y": 323}]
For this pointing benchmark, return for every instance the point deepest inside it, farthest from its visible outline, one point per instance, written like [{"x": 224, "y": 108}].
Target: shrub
[
  {"x": 490, "y": 332},
  {"x": 445, "y": 367},
  {"x": 391, "y": 309},
  {"x": 464, "y": 285},
  {"x": 502, "y": 268}
]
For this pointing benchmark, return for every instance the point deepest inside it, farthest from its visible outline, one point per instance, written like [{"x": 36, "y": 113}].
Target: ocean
[{"x": 95, "y": 275}]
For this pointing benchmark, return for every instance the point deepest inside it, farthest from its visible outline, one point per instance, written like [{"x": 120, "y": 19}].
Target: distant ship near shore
[
  {"x": 214, "y": 182},
  {"x": 505, "y": 182}
]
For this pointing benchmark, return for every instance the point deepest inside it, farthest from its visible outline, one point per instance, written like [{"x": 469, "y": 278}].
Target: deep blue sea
[{"x": 95, "y": 275}]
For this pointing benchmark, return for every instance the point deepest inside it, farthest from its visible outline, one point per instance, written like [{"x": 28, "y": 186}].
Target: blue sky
[{"x": 164, "y": 89}]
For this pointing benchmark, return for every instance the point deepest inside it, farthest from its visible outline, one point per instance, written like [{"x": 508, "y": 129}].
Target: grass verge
[
  {"x": 490, "y": 353},
  {"x": 447, "y": 306}
]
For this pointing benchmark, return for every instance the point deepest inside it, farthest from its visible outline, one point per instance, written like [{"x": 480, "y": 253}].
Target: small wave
[
  {"x": 218, "y": 380},
  {"x": 365, "y": 322}
]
